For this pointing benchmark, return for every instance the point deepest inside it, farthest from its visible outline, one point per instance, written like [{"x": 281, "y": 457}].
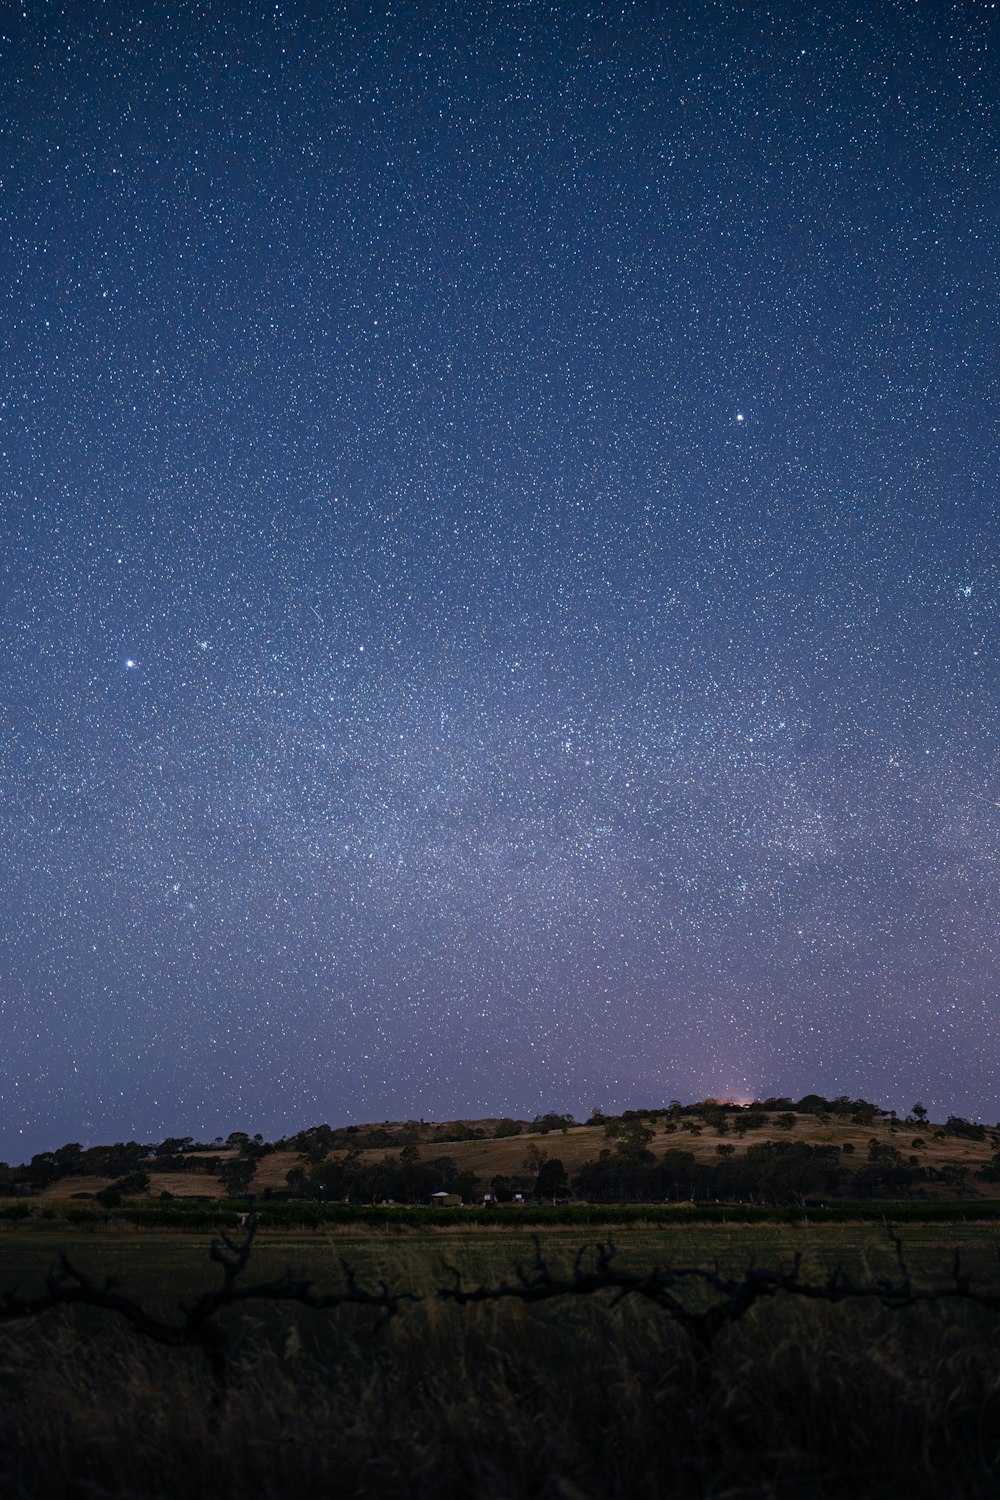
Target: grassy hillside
[{"x": 952, "y": 1161}]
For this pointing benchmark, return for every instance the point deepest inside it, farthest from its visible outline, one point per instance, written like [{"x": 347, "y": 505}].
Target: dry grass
[
  {"x": 489, "y": 1158},
  {"x": 163, "y": 1265},
  {"x": 507, "y": 1402},
  {"x": 179, "y": 1184}
]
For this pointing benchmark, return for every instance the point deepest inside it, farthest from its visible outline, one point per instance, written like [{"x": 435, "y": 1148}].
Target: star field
[{"x": 498, "y": 583}]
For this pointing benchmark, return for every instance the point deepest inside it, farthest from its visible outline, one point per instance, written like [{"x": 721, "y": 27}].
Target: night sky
[{"x": 498, "y": 576}]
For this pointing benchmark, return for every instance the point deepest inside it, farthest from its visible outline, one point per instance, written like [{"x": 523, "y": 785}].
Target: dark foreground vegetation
[
  {"x": 215, "y": 1214},
  {"x": 574, "y": 1377}
]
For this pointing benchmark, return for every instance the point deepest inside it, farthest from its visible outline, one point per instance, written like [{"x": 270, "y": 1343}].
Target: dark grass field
[
  {"x": 574, "y": 1399},
  {"x": 162, "y": 1265}
]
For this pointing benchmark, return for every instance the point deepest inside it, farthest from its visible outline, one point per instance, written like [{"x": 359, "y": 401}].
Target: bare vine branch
[
  {"x": 734, "y": 1295},
  {"x": 702, "y": 1301},
  {"x": 198, "y": 1327}
]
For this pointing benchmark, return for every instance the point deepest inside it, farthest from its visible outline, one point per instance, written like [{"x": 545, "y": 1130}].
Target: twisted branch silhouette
[
  {"x": 663, "y": 1286},
  {"x": 67, "y": 1286},
  {"x": 735, "y": 1294}
]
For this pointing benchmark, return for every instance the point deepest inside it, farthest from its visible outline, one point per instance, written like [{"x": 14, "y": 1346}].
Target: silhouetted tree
[
  {"x": 551, "y": 1180},
  {"x": 237, "y": 1175}
]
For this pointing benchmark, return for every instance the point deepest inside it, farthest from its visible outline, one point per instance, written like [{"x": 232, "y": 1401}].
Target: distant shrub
[
  {"x": 132, "y": 1183},
  {"x": 966, "y": 1129},
  {"x": 545, "y": 1124}
]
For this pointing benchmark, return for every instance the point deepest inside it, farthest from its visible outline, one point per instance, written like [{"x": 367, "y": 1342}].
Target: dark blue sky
[{"x": 498, "y": 606}]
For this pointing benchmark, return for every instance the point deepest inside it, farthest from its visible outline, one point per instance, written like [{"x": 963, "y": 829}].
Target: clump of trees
[
  {"x": 133, "y": 1166},
  {"x": 771, "y": 1172},
  {"x": 545, "y": 1124},
  {"x": 964, "y": 1129},
  {"x": 402, "y": 1178},
  {"x": 334, "y": 1162}
]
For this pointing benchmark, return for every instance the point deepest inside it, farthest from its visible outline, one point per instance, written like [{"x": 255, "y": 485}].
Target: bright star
[{"x": 129, "y": 662}]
